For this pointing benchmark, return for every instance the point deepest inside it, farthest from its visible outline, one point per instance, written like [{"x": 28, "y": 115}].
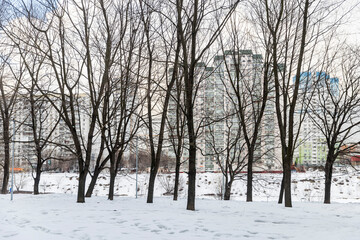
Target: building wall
[
  {"x": 311, "y": 148},
  {"x": 46, "y": 120},
  {"x": 215, "y": 110}
]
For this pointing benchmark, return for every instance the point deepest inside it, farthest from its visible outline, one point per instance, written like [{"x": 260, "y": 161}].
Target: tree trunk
[
  {"x": 287, "y": 182},
  {"x": 38, "y": 168},
  {"x": 328, "y": 178},
  {"x": 92, "y": 184},
  {"x": 192, "y": 175},
  {"x": 249, "y": 177},
  {"x": 177, "y": 177},
  {"x": 114, "y": 167},
  {"x": 37, "y": 180},
  {"x": 281, "y": 195},
  {"x": 6, "y": 136},
  {"x": 150, "y": 195},
  {"x": 192, "y": 141},
  {"x": 228, "y": 189},
  {"x": 112, "y": 184},
  {"x": 81, "y": 187}
]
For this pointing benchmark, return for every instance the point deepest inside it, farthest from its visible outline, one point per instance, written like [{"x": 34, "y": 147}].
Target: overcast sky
[{"x": 351, "y": 27}]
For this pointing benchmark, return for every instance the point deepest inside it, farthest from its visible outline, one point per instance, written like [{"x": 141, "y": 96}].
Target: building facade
[
  {"x": 311, "y": 148},
  {"x": 219, "y": 132}
]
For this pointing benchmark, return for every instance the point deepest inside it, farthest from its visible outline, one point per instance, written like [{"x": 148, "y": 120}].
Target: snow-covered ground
[
  {"x": 58, "y": 216},
  {"x": 306, "y": 187}
]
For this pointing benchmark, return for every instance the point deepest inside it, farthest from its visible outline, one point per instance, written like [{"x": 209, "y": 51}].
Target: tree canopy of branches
[
  {"x": 191, "y": 24},
  {"x": 335, "y": 111},
  {"x": 290, "y": 32},
  {"x": 108, "y": 69}
]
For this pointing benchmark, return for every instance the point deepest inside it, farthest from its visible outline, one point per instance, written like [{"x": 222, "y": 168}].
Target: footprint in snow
[
  {"x": 260, "y": 221},
  {"x": 41, "y": 228},
  {"x": 163, "y": 227},
  {"x": 10, "y": 235}
]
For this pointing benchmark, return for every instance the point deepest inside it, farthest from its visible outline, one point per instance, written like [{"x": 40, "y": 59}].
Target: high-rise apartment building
[
  {"x": 216, "y": 117},
  {"x": 48, "y": 122},
  {"x": 311, "y": 148}
]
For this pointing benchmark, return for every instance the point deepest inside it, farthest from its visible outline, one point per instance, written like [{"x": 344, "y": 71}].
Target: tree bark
[
  {"x": 6, "y": 136},
  {"x": 81, "y": 186},
  {"x": 328, "y": 179},
  {"x": 249, "y": 177},
  {"x": 281, "y": 195},
  {"x": 192, "y": 142},
  {"x": 150, "y": 196},
  {"x": 37, "y": 181},
  {"x": 92, "y": 184},
  {"x": 112, "y": 184},
  {"x": 228, "y": 186},
  {"x": 177, "y": 177},
  {"x": 192, "y": 174},
  {"x": 287, "y": 182},
  {"x": 39, "y": 162}
]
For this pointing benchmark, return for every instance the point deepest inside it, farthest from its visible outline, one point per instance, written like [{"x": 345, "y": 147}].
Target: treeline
[{"x": 106, "y": 70}]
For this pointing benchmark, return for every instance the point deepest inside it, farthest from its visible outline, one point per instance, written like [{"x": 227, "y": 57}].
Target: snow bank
[{"x": 306, "y": 187}]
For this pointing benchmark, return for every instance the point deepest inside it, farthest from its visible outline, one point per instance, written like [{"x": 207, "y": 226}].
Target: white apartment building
[
  {"x": 215, "y": 115},
  {"x": 48, "y": 121},
  {"x": 311, "y": 148}
]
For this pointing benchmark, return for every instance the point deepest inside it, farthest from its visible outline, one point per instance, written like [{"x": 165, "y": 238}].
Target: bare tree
[
  {"x": 176, "y": 124},
  {"x": 39, "y": 111},
  {"x": 118, "y": 119},
  {"x": 126, "y": 109},
  {"x": 10, "y": 76},
  {"x": 191, "y": 23},
  {"x": 247, "y": 80},
  {"x": 335, "y": 110},
  {"x": 80, "y": 62},
  {"x": 290, "y": 32},
  {"x": 170, "y": 46},
  {"x": 42, "y": 129},
  {"x": 228, "y": 151}
]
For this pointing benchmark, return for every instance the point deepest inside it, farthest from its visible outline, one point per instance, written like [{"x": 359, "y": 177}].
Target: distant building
[
  {"x": 59, "y": 143},
  {"x": 311, "y": 147},
  {"x": 355, "y": 160},
  {"x": 215, "y": 115}
]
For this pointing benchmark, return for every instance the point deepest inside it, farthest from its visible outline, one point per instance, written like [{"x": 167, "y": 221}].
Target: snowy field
[
  {"x": 56, "y": 215},
  {"x": 306, "y": 187}
]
